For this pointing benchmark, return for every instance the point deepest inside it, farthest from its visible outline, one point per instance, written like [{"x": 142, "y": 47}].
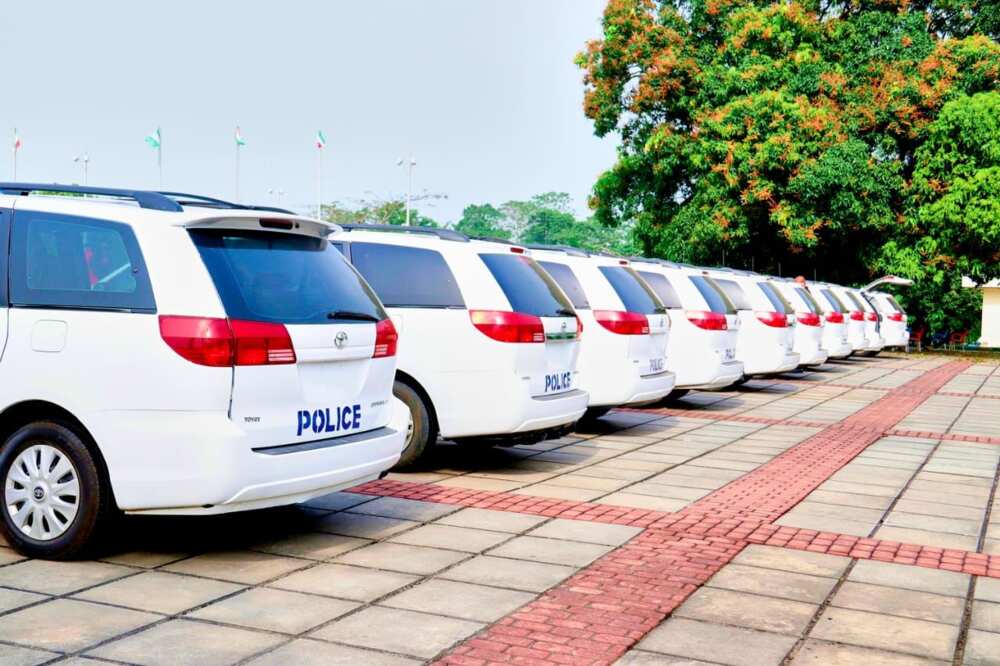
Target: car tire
[
  {"x": 676, "y": 394},
  {"x": 421, "y": 433},
  {"x": 37, "y": 521}
]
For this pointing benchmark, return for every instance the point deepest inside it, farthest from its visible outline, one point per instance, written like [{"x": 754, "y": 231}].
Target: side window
[
  {"x": 735, "y": 294},
  {"x": 809, "y": 300},
  {"x": 661, "y": 285},
  {"x": 65, "y": 261},
  {"x": 833, "y": 300},
  {"x": 566, "y": 279},
  {"x": 715, "y": 298},
  {"x": 778, "y": 302},
  {"x": 4, "y": 244},
  {"x": 407, "y": 277}
]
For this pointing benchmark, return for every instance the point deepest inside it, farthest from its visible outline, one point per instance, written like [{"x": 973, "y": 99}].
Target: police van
[
  {"x": 809, "y": 331},
  {"x": 623, "y": 359},
  {"x": 173, "y": 354},
  {"x": 488, "y": 341}
]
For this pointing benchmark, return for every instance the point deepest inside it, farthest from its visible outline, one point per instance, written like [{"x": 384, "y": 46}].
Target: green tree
[
  {"x": 554, "y": 227},
  {"x": 483, "y": 220},
  {"x": 392, "y": 211},
  {"x": 778, "y": 132}
]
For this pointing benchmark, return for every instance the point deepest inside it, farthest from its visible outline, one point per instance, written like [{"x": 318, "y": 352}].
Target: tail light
[
  {"x": 221, "y": 343},
  {"x": 897, "y": 316},
  {"x": 871, "y": 316},
  {"x": 386, "y": 338},
  {"x": 622, "y": 323},
  {"x": 710, "y": 321},
  {"x": 579, "y": 328},
  {"x": 508, "y": 326},
  {"x": 812, "y": 319},
  {"x": 773, "y": 319},
  {"x": 835, "y": 317},
  {"x": 857, "y": 315}
]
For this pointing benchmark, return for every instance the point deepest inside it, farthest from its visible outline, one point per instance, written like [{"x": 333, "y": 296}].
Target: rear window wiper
[
  {"x": 566, "y": 312},
  {"x": 352, "y": 316}
]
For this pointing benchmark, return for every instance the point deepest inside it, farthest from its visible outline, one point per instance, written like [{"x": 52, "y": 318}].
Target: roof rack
[
  {"x": 571, "y": 251},
  {"x": 144, "y": 198},
  {"x": 443, "y": 234},
  {"x": 185, "y": 199}
]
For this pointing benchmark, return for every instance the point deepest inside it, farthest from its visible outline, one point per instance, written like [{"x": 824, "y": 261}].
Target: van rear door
[
  {"x": 648, "y": 352},
  {"x": 318, "y": 350}
]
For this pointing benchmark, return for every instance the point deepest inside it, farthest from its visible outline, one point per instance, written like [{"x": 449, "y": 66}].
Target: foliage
[
  {"x": 392, "y": 211},
  {"x": 792, "y": 133},
  {"x": 483, "y": 220},
  {"x": 553, "y": 227}
]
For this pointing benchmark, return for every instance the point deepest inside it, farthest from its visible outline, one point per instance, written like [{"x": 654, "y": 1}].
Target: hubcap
[
  {"x": 409, "y": 431},
  {"x": 42, "y": 492}
]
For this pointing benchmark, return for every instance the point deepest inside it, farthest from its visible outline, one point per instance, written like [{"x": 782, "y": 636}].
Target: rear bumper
[
  {"x": 840, "y": 351},
  {"x": 760, "y": 363},
  {"x": 618, "y": 382},
  {"x": 817, "y": 357},
  {"x": 553, "y": 411},
  {"x": 201, "y": 463},
  {"x": 652, "y": 389},
  {"x": 712, "y": 376}
]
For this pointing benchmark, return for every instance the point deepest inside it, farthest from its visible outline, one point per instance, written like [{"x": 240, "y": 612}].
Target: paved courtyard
[{"x": 842, "y": 516}]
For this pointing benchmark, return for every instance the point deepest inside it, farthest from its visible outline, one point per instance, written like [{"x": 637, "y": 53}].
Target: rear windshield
[
  {"x": 407, "y": 277},
  {"x": 661, "y": 285},
  {"x": 528, "y": 288},
  {"x": 735, "y": 294},
  {"x": 635, "y": 294},
  {"x": 833, "y": 300},
  {"x": 564, "y": 277},
  {"x": 284, "y": 278},
  {"x": 857, "y": 301},
  {"x": 714, "y": 296},
  {"x": 777, "y": 300},
  {"x": 808, "y": 299},
  {"x": 894, "y": 303}
]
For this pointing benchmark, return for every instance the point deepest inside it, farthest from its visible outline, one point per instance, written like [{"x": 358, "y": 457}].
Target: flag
[
  {"x": 17, "y": 141},
  {"x": 320, "y": 140},
  {"x": 154, "y": 139},
  {"x": 240, "y": 141}
]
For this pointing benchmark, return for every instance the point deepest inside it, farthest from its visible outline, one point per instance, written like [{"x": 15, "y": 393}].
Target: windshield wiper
[{"x": 352, "y": 316}]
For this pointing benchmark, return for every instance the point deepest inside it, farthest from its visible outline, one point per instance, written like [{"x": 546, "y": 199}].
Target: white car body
[
  {"x": 895, "y": 330},
  {"x": 616, "y": 368},
  {"x": 177, "y": 437},
  {"x": 835, "y": 321},
  {"x": 703, "y": 339},
  {"x": 477, "y": 386},
  {"x": 854, "y": 318},
  {"x": 809, "y": 329},
  {"x": 766, "y": 339},
  {"x": 873, "y": 342}
]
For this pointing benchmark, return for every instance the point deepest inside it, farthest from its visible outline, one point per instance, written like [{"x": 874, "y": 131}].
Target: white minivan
[
  {"x": 623, "y": 356},
  {"x": 864, "y": 323},
  {"x": 810, "y": 328},
  {"x": 766, "y": 340},
  {"x": 894, "y": 321},
  {"x": 704, "y": 325},
  {"x": 854, "y": 317},
  {"x": 488, "y": 341},
  {"x": 172, "y": 354}
]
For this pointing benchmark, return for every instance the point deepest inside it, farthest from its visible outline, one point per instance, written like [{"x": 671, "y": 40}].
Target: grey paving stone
[
  {"x": 908, "y": 577},
  {"x": 915, "y": 506},
  {"x": 498, "y": 521},
  {"x": 639, "y": 501},
  {"x": 796, "y": 561},
  {"x": 362, "y": 525},
  {"x": 50, "y": 577},
  {"x": 773, "y": 583},
  {"x": 67, "y": 625},
  {"x": 460, "y": 600},
  {"x": 927, "y": 538},
  {"x": 159, "y": 592},
  {"x": 982, "y": 648},
  {"x": 986, "y": 616},
  {"x": 643, "y": 658},
  {"x": 885, "y": 632},
  {"x": 988, "y": 589},
  {"x": 552, "y": 551},
  {"x": 237, "y": 566},
  {"x": 822, "y": 653},
  {"x": 747, "y": 610},
  {"x": 345, "y": 582},
  {"x": 401, "y": 631},
  {"x": 275, "y": 610},
  {"x": 709, "y": 642},
  {"x": 463, "y": 539},
  {"x": 338, "y": 501},
  {"x": 11, "y": 599},
  {"x": 12, "y": 655},
  {"x": 187, "y": 643},
  {"x": 513, "y": 574},
  {"x": 559, "y": 492},
  {"x": 404, "y": 509},
  {"x": 307, "y": 652},
  {"x": 898, "y": 518},
  {"x": 311, "y": 545},
  {"x": 402, "y": 557},
  {"x": 586, "y": 531},
  {"x": 897, "y": 601}
]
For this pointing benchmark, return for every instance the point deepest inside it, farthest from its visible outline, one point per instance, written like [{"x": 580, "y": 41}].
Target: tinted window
[
  {"x": 833, "y": 300},
  {"x": 407, "y": 277},
  {"x": 636, "y": 295},
  {"x": 77, "y": 262},
  {"x": 661, "y": 285},
  {"x": 4, "y": 243},
  {"x": 735, "y": 294},
  {"x": 714, "y": 296},
  {"x": 778, "y": 301},
  {"x": 856, "y": 301},
  {"x": 808, "y": 299},
  {"x": 527, "y": 286},
  {"x": 891, "y": 300},
  {"x": 564, "y": 277},
  {"x": 277, "y": 277}
]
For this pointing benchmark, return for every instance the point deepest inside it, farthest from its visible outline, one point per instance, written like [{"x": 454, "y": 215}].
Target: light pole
[
  {"x": 85, "y": 161},
  {"x": 277, "y": 194},
  {"x": 410, "y": 163}
]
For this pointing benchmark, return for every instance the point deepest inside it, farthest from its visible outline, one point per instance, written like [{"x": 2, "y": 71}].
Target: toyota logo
[
  {"x": 38, "y": 493},
  {"x": 340, "y": 340}
]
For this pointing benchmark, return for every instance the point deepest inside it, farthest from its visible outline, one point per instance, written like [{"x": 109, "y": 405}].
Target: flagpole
[
  {"x": 159, "y": 155},
  {"x": 319, "y": 181},
  {"x": 15, "y": 154}
]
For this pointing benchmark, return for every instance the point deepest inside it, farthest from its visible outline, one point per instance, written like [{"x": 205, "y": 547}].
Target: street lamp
[
  {"x": 277, "y": 194},
  {"x": 410, "y": 163},
  {"x": 84, "y": 160}
]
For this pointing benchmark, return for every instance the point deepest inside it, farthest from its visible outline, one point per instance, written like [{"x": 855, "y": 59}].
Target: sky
[{"x": 483, "y": 93}]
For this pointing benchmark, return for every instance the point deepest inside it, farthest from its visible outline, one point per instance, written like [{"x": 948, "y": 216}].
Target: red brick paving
[
  {"x": 600, "y": 612},
  {"x": 945, "y": 436}
]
